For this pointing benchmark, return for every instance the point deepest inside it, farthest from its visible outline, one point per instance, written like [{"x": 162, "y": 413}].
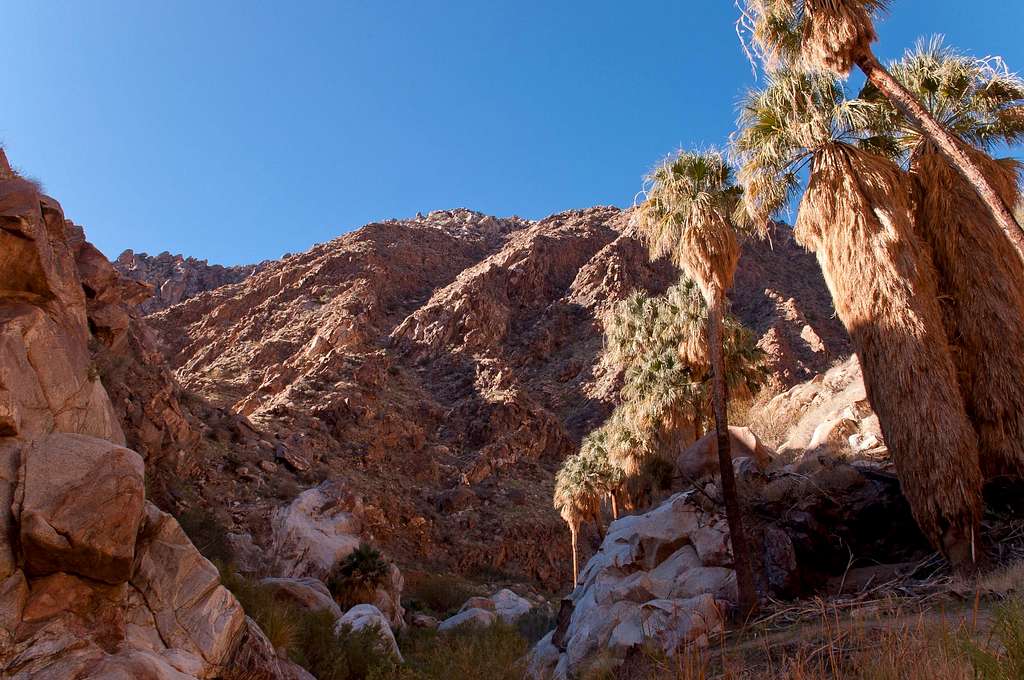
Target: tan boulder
[
  {"x": 701, "y": 458},
  {"x": 79, "y": 506},
  {"x": 307, "y": 593},
  {"x": 45, "y": 379}
]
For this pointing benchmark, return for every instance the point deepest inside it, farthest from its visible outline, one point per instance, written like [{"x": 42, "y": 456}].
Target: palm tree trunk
[
  {"x": 575, "y": 559},
  {"x": 948, "y": 144},
  {"x": 733, "y": 513},
  {"x": 615, "y": 507}
]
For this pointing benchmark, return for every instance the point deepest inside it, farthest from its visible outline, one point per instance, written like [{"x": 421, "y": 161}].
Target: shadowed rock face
[
  {"x": 174, "y": 278},
  {"x": 413, "y": 358}
]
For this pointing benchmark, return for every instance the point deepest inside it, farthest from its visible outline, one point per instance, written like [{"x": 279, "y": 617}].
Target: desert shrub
[
  {"x": 283, "y": 487},
  {"x": 436, "y": 594},
  {"x": 208, "y": 532},
  {"x": 279, "y": 621},
  {"x": 535, "y": 624},
  {"x": 493, "y": 652},
  {"x": 309, "y": 638},
  {"x": 1001, "y": 658},
  {"x": 358, "y": 576},
  {"x": 341, "y": 655}
]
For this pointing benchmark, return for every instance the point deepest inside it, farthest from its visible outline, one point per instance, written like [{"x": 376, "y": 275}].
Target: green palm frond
[
  {"x": 780, "y": 128},
  {"x": 977, "y": 99}
]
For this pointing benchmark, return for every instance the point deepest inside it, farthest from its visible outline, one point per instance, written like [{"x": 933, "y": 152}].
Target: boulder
[
  {"x": 424, "y": 621},
  {"x": 366, "y": 616},
  {"x": 647, "y": 584},
  {"x": 470, "y": 617},
  {"x": 191, "y": 610},
  {"x": 700, "y": 459},
  {"x": 79, "y": 506},
  {"x": 316, "y": 531},
  {"x": 306, "y": 593},
  {"x": 510, "y": 607}
]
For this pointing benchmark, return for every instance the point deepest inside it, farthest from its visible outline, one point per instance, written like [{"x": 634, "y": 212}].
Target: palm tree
[
  {"x": 660, "y": 344},
  {"x": 981, "y": 274},
  {"x": 835, "y": 35},
  {"x": 687, "y": 214},
  {"x": 584, "y": 480},
  {"x": 857, "y": 215}
]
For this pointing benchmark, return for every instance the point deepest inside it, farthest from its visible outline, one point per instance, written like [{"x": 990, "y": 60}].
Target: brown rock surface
[
  {"x": 422, "y": 361},
  {"x": 79, "y": 506},
  {"x": 88, "y": 587},
  {"x": 174, "y": 278}
]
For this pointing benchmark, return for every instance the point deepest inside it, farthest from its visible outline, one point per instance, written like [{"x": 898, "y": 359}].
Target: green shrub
[
  {"x": 358, "y": 576},
  {"x": 436, "y": 594},
  {"x": 1003, "y": 657},
  {"x": 208, "y": 533},
  {"x": 493, "y": 652},
  {"x": 279, "y": 621},
  {"x": 345, "y": 655},
  {"x": 535, "y": 624},
  {"x": 308, "y": 638}
]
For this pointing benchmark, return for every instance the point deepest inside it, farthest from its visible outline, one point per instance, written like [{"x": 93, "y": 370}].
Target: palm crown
[{"x": 978, "y": 99}]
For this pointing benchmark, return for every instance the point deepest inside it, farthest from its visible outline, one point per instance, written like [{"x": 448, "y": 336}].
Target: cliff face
[
  {"x": 95, "y": 581},
  {"x": 444, "y": 366},
  {"x": 175, "y": 278}
]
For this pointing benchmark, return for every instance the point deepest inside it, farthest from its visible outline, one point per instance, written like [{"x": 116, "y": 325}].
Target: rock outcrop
[
  {"x": 174, "y": 278},
  {"x": 95, "y": 582},
  {"x": 647, "y": 583}
]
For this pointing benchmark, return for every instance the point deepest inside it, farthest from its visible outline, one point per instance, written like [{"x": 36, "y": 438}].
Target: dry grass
[
  {"x": 768, "y": 421},
  {"x": 973, "y": 644}
]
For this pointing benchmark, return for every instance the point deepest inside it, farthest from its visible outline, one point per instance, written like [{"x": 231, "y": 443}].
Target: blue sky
[{"x": 238, "y": 131}]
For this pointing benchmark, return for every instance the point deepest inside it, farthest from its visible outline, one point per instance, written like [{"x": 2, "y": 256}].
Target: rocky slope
[
  {"x": 95, "y": 581},
  {"x": 443, "y": 366},
  {"x": 175, "y": 278}
]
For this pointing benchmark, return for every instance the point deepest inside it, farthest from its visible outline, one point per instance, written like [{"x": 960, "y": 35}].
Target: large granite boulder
[
  {"x": 646, "y": 584},
  {"x": 309, "y": 594},
  {"x": 79, "y": 506},
  {"x": 317, "y": 531},
  {"x": 701, "y": 458}
]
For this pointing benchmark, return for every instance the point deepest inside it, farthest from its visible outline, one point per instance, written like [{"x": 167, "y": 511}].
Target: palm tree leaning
[
  {"x": 981, "y": 275},
  {"x": 857, "y": 216},
  {"x": 835, "y": 35},
  {"x": 687, "y": 214}
]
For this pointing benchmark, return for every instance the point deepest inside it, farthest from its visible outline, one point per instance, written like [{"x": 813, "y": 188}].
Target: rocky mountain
[
  {"x": 175, "y": 278},
  {"x": 442, "y": 367}
]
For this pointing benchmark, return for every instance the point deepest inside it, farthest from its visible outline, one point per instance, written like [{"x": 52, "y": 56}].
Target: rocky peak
[{"x": 175, "y": 278}]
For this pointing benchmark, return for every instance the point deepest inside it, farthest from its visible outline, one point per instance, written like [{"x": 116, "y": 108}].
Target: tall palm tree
[
  {"x": 981, "y": 274},
  {"x": 687, "y": 214},
  {"x": 857, "y": 216},
  {"x": 835, "y": 35}
]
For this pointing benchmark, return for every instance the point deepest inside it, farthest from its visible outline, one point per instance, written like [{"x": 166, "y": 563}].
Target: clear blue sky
[{"x": 237, "y": 131}]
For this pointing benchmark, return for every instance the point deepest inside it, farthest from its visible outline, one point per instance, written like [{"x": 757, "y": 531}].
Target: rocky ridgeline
[
  {"x": 175, "y": 278},
  {"x": 443, "y": 366}
]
